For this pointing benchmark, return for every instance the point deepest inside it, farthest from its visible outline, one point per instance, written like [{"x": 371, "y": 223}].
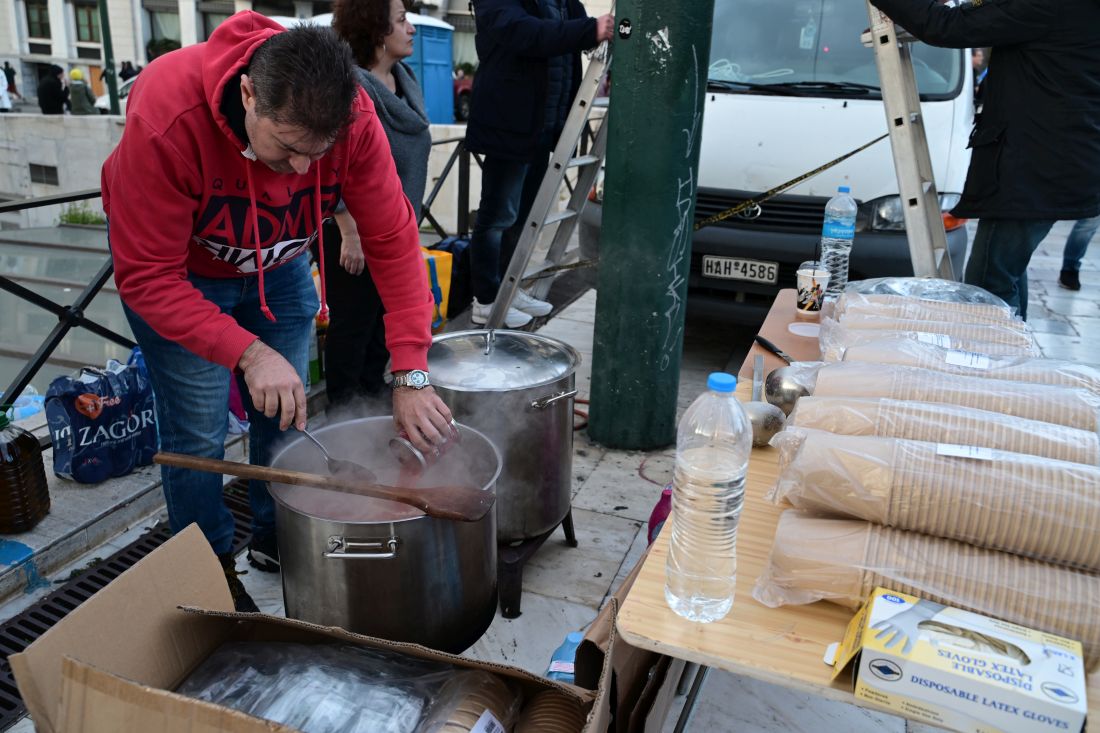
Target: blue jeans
[
  {"x": 1000, "y": 254},
  {"x": 501, "y": 190},
  {"x": 1077, "y": 243},
  {"x": 192, "y": 396}
]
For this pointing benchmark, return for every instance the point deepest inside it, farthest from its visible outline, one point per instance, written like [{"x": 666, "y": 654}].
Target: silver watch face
[{"x": 416, "y": 379}]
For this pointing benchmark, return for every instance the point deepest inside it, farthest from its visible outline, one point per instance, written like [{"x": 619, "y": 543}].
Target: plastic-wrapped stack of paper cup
[{"x": 939, "y": 454}]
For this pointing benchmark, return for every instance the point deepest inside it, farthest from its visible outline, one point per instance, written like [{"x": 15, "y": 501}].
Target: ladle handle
[
  {"x": 316, "y": 442},
  {"x": 757, "y": 377}
]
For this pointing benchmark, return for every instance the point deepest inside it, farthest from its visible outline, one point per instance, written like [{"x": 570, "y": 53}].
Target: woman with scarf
[{"x": 380, "y": 36}]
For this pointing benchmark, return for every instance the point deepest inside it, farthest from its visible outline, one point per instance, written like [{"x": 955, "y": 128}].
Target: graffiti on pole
[{"x": 677, "y": 263}]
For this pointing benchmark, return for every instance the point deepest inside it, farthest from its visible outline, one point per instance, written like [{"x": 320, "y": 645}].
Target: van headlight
[{"x": 886, "y": 215}]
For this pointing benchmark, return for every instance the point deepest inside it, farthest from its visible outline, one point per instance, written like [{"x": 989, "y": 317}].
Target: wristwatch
[{"x": 415, "y": 378}]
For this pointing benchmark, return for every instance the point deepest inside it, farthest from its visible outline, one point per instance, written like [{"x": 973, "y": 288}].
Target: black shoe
[
  {"x": 263, "y": 553},
  {"x": 1070, "y": 279},
  {"x": 242, "y": 602}
]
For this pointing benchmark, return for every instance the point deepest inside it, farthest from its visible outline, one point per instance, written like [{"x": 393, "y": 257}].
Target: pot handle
[
  {"x": 543, "y": 402},
  {"x": 341, "y": 548}
]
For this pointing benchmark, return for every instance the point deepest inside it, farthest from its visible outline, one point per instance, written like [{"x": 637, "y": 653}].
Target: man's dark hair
[
  {"x": 305, "y": 77},
  {"x": 364, "y": 24}
]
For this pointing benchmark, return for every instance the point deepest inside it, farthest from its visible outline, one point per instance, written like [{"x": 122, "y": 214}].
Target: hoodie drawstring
[
  {"x": 323, "y": 315},
  {"x": 256, "y": 241}
]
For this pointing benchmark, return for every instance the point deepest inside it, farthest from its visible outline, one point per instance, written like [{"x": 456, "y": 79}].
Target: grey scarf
[{"x": 407, "y": 128}]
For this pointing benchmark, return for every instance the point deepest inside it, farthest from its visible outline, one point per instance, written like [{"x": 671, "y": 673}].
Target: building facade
[{"x": 36, "y": 34}]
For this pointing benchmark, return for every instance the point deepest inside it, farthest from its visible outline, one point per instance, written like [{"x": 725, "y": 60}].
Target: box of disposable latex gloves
[{"x": 961, "y": 670}]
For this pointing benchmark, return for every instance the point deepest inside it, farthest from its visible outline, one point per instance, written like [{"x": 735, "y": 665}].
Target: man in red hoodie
[{"x": 234, "y": 151}]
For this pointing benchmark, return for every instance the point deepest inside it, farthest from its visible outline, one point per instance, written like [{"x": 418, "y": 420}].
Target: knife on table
[{"x": 774, "y": 349}]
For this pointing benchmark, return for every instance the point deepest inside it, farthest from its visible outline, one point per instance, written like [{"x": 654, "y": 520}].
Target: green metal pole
[
  {"x": 108, "y": 57},
  {"x": 659, "y": 82}
]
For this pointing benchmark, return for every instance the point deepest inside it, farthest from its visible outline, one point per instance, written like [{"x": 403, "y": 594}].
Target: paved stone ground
[{"x": 1067, "y": 323}]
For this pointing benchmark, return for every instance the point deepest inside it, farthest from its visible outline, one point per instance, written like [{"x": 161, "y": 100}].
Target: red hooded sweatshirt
[{"x": 176, "y": 192}]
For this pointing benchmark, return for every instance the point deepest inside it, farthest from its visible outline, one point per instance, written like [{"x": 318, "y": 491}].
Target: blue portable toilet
[{"x": 431, "y": 61}]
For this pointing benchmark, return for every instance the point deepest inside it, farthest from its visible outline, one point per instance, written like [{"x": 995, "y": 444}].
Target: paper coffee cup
[{"x": 813, "y": 278}]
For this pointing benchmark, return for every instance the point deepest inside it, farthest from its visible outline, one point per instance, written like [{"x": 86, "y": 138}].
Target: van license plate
[{"x": 734, "y": 268}]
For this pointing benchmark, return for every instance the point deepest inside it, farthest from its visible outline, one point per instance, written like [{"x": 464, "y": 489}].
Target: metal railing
[
  {"x": 68, "y": 316},
  {"x": 462, "y": 156},
  {"x": 72, "y": 316}
]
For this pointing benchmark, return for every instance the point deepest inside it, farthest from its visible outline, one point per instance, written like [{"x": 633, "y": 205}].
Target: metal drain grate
[{"x": 19, "y": 632}]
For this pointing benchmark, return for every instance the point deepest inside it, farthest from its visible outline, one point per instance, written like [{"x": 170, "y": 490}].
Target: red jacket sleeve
[
  {"x": 391, "y": 244},
  {"x": 151, "y": 217}
]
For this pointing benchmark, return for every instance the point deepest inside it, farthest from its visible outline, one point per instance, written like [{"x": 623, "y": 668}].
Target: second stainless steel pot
[{"x": 518, "y": 388}]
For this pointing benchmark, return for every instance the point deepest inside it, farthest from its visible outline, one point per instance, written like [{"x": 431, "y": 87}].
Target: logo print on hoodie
[{"x": 224, "y": 228}]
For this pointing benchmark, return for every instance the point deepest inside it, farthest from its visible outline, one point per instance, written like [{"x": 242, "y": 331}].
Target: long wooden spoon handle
[
  {"x": 445, "y": 502},
  {"x": 241, "y": 470}
]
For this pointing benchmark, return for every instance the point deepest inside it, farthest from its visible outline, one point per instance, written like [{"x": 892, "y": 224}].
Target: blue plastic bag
[{"x": 102, "y": 422}]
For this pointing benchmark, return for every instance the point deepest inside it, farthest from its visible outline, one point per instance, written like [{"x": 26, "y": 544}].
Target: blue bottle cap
[
  {"x": 721, "y": 382},
  {"x": 575, "y": 637},
  {"x": 844, "y": 189}
]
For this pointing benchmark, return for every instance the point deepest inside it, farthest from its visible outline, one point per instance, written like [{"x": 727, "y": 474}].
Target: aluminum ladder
[
  {"x": 916, "y": 181},
  {"x": 542, "y": 214}
]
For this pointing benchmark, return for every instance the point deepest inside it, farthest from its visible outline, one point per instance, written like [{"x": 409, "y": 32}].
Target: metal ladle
[
  {"x": 766, "y": 419},
  {"x": 783, "y": 390},
  {"x": 340, "y": 467}
]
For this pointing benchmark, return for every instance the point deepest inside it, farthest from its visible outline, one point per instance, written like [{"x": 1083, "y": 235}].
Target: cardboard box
[
  {"x": 961, "y": 670},
  {"x": 643, "y": 683},
  {"x": 111, "y": 664}
]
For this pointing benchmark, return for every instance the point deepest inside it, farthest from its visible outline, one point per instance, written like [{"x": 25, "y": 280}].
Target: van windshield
[{"x": 813, "y": 46}]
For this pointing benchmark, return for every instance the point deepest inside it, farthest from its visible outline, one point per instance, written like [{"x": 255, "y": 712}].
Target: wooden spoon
[{"x": 443, "y": 502}]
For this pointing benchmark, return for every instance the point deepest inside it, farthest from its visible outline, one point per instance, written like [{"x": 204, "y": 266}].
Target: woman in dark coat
[{"x": 381, "y": 36}]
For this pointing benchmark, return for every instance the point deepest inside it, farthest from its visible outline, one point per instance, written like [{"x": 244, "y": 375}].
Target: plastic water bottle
[
  {"x": 28, "y": 403},
  {"x": 713, "y": 443},
  {"x": 836, "y": 239},
  {"x": 562, "y": 662}
]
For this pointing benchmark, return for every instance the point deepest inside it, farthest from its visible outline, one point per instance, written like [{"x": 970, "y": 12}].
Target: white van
[{"x": 791, "y": 88}]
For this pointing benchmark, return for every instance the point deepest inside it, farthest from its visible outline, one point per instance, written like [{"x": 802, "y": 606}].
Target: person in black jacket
[
  {"x": 1036, "y": 146},
  {"x": 53, "y": 95},
  {"x": 529, "y": 70}
]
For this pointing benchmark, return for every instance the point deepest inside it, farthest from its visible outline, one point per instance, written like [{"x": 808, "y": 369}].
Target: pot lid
[
  {"x": 499, "y": 360},
  {"x": 472, "y": 461}
]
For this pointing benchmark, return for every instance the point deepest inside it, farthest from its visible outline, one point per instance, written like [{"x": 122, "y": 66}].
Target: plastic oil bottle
[
  {"x": 24, "y": 493},
  {"x": 713, "y": 443}
]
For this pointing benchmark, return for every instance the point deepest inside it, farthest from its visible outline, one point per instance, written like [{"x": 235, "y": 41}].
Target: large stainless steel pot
[
  {"x": 380, "y": 568},
  {"x": 518, "y": 389}
]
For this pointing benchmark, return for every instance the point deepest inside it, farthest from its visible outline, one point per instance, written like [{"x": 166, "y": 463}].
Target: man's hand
[
  {"x": 605, "y": 27},
  {"x": 274, "y": 385},
  {"x": 421, "y": 414},
  {"x": 351, "y": 247}
]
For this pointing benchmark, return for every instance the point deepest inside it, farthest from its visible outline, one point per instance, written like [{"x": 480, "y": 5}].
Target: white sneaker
[
  {"x": 531, "y": 305},
  {"x": 479, "y": 314}
]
